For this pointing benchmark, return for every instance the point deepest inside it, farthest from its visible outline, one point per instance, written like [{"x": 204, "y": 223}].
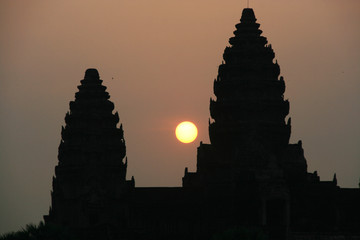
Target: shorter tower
[{"x": 90, "y": 178}]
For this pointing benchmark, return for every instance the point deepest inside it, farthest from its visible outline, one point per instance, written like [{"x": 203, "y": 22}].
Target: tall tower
[
  {"x": 249, "y": 107},
  {"x": 248, "y": 132},
  {"x": 241, "y": 170},
  {"x": 90, "y": 178}
]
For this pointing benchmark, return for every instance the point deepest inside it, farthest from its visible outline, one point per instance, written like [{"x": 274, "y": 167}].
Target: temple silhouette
[{"x": 249, "y": 176}]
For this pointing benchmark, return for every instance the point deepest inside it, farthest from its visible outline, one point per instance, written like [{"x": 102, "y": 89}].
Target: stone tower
[
  {"x": 241, "y": 170},
  {"x": 249, "y": 106},
  {"x": 90, "y": 178},
  {"x": 248, "y": 133}
]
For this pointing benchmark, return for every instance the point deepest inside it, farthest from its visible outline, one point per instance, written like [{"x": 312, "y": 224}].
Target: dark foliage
[{"x": 40, "y": 232}]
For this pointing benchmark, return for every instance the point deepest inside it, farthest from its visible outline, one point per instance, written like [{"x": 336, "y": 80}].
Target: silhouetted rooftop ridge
[{"x": 248, "y": 15}]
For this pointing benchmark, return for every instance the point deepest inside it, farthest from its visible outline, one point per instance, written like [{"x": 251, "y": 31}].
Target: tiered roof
[
  {"x": 91, "y": 174},
  {"x": 249, "y": 106}
]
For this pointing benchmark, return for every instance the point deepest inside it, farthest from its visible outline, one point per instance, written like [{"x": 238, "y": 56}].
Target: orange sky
[{"x": 158, "y": 60}]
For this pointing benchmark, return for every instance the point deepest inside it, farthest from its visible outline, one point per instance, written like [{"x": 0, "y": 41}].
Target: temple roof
[
  {"x": 248, "y": 15},
  {"x": 91, "y": 73},
  {"x": 249, "y": 105}
]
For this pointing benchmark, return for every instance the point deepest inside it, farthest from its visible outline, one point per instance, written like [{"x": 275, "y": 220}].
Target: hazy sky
[{"x": 158, "y": 59}]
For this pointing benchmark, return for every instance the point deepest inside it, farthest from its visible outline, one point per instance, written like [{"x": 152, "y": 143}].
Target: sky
[{"x": 158, "y": 59}]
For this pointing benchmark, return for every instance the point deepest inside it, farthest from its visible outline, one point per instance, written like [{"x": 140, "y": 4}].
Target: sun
[{"x": 186, "y": 132}]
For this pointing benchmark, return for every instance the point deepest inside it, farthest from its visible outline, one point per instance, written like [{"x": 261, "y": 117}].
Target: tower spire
[
  {"x": 242, "y": 114},
  {"x": 92, "y": 150}
]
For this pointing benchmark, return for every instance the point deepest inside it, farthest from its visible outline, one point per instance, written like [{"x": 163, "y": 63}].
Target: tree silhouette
[{"x": 40, "y": 232}]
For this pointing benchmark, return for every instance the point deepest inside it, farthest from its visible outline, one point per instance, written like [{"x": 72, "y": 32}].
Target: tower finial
[
  {"x": 247, "y": 3},
  {"x": 335, "y": 179}
]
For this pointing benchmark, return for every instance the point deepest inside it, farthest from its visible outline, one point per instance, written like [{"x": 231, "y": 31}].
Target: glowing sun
[{"x": 186, "y": 132}]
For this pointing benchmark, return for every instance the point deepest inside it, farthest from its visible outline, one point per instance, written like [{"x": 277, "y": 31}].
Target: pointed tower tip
[
  {"x": 248, "y": 15},
  {"x": 92, "y": 73},
  {"x": 335, "y": 179}
]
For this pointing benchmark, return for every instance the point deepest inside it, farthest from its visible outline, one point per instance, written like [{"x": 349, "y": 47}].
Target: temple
[
  {"x": 248, "y": 179},
  {"x": 90, "y": 179}
]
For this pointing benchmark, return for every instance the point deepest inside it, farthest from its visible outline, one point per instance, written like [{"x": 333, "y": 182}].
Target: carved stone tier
[
  {"x": 249, "y": 105},
  {"x": 91, "y": 173}
]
